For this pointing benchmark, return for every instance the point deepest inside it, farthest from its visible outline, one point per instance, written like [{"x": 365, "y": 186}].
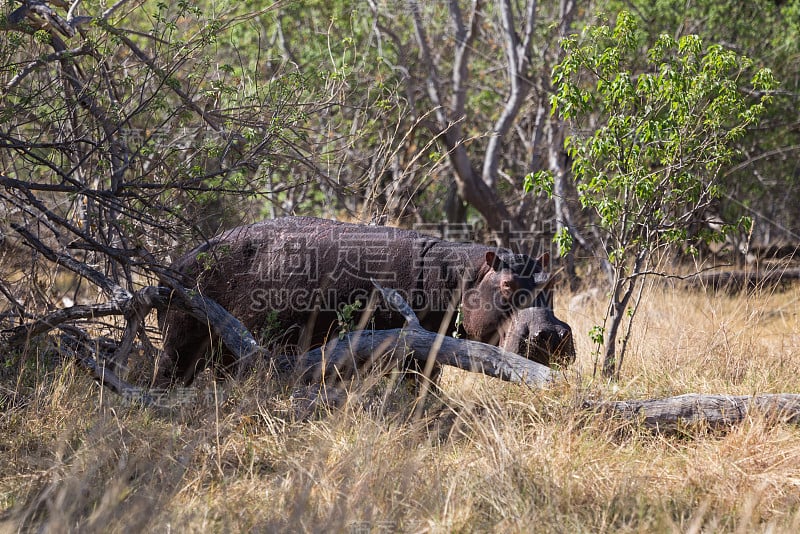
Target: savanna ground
[{"x": 487, "y": 456}]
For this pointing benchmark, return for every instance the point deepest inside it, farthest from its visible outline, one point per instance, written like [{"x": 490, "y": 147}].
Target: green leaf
[
  {"x": 539, "y": 182},
  {"x": 563, "y": 238}
]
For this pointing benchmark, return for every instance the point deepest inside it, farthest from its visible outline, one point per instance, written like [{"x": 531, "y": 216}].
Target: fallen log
[
  {"x": 673, "y": 414},
  {"x": 357, "y": 351},
  {"x": 344, "y": 358}
]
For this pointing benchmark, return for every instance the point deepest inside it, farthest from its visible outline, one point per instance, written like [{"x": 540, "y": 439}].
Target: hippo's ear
[
  {"x": 493, "y": 261},
  {"x": 544, "y": 260}
]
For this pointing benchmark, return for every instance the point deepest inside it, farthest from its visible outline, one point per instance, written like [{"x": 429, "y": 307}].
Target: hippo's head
[
  {"x": 538, "y": 335},
  {"x": 505, "y": 282}
]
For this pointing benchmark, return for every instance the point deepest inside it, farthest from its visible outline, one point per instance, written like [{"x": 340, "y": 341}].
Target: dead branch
[
  {"x": 364, "y": 349},
  {"x": 672, "y": 414},
  {"x": 81, "y": 348},
  {"x": 14, "y": 337},
  {"x": 117, "y": 292},
  {"x": 236, "y": 338}
]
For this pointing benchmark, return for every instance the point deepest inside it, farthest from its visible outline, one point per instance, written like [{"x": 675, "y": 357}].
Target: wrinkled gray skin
[
  {"x": 538, "y": 335},
  {"x": 292, "y": 275}
]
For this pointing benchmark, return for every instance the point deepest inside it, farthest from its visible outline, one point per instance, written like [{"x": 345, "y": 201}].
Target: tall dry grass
[{"x": 486, "y": 456}]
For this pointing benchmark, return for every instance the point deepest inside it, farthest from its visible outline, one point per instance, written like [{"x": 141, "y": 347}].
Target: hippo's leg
[{"x": 185, "y": 354}]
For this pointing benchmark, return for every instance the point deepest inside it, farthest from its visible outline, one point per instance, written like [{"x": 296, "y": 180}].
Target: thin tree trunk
[{"x": 616, "y": 313}]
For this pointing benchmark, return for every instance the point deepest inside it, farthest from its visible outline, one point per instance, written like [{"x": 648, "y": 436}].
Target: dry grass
[{"x": 487, "y": 456}]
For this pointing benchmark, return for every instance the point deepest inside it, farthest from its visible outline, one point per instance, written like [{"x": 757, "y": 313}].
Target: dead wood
[
  {"x": 673, "y": 414},
  {"x": 345, "y": 358},
  {"x": 363, "y": 349},
  {"x": 134, "y": 307}
]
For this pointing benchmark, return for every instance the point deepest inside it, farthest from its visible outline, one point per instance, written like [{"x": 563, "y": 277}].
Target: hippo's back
[{"x": 293, "y": 275}]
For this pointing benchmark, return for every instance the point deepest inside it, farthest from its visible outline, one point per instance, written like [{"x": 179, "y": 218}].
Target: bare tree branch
[
  {"x": 21, "y": 334},
  {"x": 434, "y": 90},
  {"x": 520, "y": 86},
  {"x": 44, "y": 60},
  {"x": 116, "y": 291},
  {"x": 465, "y": 38}
]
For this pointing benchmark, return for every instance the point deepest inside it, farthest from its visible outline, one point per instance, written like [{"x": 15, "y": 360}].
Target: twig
[{"x": 117, "y": 292}]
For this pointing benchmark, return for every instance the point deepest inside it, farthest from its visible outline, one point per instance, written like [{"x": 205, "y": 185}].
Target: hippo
[
  {"x": 537, "y": 334},
  {"x": 304, "y": 277}
]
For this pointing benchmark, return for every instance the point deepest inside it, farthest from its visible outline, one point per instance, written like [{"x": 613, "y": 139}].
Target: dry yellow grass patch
[{"x": 487, "y": 456}]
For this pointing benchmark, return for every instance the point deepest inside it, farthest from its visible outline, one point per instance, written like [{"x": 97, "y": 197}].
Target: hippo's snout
[
  {"x": 538, "y": 335},
  {"x": 552, "y": 345}
]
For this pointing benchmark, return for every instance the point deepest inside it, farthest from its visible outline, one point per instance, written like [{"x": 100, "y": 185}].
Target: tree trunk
[
  {"x": 563, "y": 216},
  {"x": 620, "y": 297},
  {"x": 455, "y": 209},
  {"x": 610, "y": 350}
]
